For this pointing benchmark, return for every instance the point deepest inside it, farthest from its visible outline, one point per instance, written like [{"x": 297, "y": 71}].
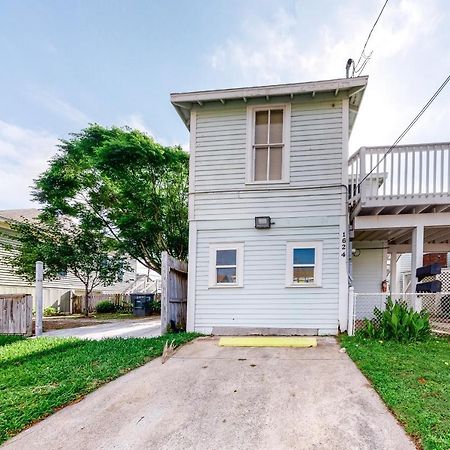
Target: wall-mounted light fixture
[{"x": 262, "y": 222}]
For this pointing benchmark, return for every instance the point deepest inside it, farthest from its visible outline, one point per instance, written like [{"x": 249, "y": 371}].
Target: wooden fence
[
  {"x": 16, "y": 314},
  {"x": 95, "y": 299},
  {"x": 173, "y": 293}
]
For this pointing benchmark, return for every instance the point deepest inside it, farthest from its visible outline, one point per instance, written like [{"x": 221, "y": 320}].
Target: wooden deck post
[{"x": 417, "y": 254}]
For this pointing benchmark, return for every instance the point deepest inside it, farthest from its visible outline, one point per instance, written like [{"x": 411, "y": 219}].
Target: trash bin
[{"x": 142, "y": 304}]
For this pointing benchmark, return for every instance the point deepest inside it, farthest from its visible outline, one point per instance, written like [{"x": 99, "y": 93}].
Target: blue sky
[{"x": 68, "y": 63}]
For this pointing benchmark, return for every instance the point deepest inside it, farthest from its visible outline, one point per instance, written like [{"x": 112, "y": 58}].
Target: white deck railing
[{"x": 409, "y": 174}]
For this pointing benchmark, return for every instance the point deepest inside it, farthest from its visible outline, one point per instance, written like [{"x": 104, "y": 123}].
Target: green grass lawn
[
  {"x": 38, "y": 376},
  {"x": 414, "y": 382},
  {"x": 9, "y": 339}
]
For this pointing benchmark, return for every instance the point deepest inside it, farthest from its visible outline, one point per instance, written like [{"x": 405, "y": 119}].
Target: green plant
[
  {"x": 105, "y": 307},
  {"x": 132, "y": 187},
  {"x": 397, "y": 322},
  {"x": 156, "y": 307},
  {"x": 124, "y": 308},
  {"x": 50, "y": 311}
]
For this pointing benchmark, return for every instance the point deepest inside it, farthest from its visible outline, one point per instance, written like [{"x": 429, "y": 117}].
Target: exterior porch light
[{"x": 262, "y": 222}]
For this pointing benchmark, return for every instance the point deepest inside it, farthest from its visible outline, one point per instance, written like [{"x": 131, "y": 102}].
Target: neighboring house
[
  {"x": 57, "y": 293},
  {"x": 276, "y": 208},
  {"x": 275, "y": 152}
]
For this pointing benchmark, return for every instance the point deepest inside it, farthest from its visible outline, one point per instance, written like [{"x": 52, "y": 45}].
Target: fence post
[
  {"x": 164, "y": 292},
  {"x": 38, "y": 296},
  {"x": 417, "y": 302},
  {"x": 351, "y": 305}
]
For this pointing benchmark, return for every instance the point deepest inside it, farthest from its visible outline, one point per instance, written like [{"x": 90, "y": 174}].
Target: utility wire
[
  {"x": 357, "y": 69},
  {"x": 405, "y": 131}
]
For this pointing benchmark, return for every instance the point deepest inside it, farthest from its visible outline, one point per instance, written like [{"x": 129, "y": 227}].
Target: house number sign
[{"x": 343, "y": 244}]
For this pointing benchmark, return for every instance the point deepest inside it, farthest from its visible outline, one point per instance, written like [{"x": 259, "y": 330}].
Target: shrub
[
  {"x": 124, "y": 308},
  {"x": 50, "y": 311},
  {"x": 156, "y": 307},
  {"x": 397, "y": 322},
  {"x": 105, "y": 307}
]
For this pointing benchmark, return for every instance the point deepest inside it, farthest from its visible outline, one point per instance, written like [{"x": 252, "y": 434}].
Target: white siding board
[
  {"x": 368, "y": 270},
  {"x": 264, "y": 300}
]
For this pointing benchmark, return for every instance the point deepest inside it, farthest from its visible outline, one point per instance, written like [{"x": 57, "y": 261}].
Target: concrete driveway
[
  {"x": 118, "y": 328},
  {"x": 210, "y": 397}
]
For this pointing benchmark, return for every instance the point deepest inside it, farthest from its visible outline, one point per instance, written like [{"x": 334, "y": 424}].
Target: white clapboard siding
[
  {"x": 368, "y": 268},
  {"x": 308, "y": 208},
  {"x": 277, "y": 204},
  {"x": 316, "y": 134},
  {"x": 264, "y": 301},
  {"x": 11, "y": 283}
]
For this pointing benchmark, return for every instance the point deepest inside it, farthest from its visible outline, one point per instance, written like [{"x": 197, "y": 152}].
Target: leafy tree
[
  {"x": 134, "y": 187},
  {"x": 65, "y": 246}
]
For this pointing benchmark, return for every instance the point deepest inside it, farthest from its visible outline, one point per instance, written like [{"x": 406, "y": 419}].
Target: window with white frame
[
  {"x": 304, "y": 264},
  {"x": 268, "y": 138},
  {"x": 226, "y": 265}
]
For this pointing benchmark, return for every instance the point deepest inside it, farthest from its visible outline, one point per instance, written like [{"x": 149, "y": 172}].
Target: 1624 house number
[{"x": 343, "y": 244}]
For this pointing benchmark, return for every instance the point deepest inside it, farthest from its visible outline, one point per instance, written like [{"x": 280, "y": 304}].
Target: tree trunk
[{"x": 86, "y": 300}]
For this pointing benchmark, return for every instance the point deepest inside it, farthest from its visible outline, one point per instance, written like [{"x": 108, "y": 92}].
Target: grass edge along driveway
[
  {"x": 39, "y": 376},
  {"x": 414, "y": 382}
]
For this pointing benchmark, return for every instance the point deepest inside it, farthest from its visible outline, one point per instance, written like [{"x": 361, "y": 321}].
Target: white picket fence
[{"x": 437, "y": 305}]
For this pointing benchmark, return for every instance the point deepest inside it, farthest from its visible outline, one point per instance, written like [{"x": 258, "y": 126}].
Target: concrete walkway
[
  {"x": 118, "y": 328},
  {"x": 210, "y": 397}
]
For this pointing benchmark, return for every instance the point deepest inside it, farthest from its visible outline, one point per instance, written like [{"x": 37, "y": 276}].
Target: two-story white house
[
  {"x": 282, "y": 221},
  {"x": 268, "y": 203}
]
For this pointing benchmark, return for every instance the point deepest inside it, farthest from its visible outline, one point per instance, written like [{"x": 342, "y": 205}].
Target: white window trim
[
  {"x": 239, "y": 247},
  {"x": 285, "y": 167},
  {"x": 318, "y": 246}
]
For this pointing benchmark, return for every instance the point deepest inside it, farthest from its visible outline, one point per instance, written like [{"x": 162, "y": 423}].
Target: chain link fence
[{"x": 437, "y": 305}]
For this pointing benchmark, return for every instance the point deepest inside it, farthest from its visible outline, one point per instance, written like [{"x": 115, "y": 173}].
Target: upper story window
[{"x": 268, "y": 141}]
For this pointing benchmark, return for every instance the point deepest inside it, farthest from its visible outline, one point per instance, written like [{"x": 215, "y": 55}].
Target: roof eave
[{"x": 183, "y": 102}]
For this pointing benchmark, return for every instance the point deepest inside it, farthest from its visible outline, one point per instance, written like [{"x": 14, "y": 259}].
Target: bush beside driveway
[{"x": 39, "y": 376}]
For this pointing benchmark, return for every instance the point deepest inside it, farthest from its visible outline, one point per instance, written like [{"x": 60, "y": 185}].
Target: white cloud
[
  {"x": 24, "y": 154},
  {"x": 275, "y": 49},
  {"x": 406, "y": 67},
  {"x": 60, "y": 107},
  {"x": 136, "y": 122}
]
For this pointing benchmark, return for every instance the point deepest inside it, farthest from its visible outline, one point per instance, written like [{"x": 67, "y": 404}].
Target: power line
[
  {"x": 357, "y": 69},
  {"x": 405, "y": 131}
]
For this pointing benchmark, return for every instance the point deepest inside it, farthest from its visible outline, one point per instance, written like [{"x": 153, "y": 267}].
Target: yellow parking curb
[{"x": 267, "y": 341}]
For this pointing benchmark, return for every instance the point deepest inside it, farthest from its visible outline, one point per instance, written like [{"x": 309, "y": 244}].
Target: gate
[
  {"x": 173, "y": 293},
  {"x": 16, "y": 314}
]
